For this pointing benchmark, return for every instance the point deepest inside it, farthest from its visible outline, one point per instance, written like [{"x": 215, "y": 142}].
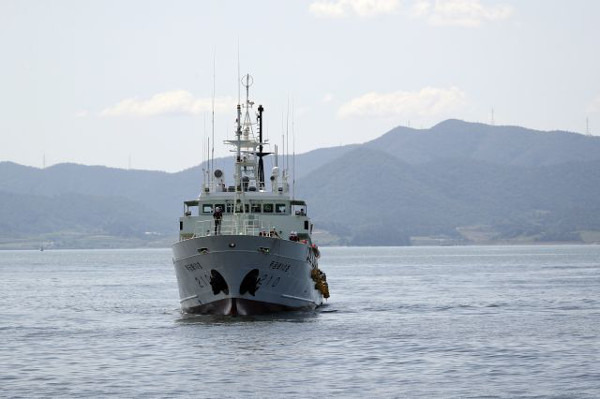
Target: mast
[
  {"x": 249, "y": 174},
  {"x": 238, "y": 136}
]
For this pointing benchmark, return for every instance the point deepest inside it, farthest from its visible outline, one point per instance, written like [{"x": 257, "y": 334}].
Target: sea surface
[{"x": 408, "y": 322}]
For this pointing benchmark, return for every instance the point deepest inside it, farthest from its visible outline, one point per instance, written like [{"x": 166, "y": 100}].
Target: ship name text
[
  {"x": 193, "y": 266},
  {"x": 284, "y": 267}
]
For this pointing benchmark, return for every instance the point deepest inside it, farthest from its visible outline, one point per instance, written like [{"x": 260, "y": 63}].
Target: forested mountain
[
  {"x": 504, "y": 145},
  {"x": 456, "y": 200},
  {"x": 457, "y": 182}
]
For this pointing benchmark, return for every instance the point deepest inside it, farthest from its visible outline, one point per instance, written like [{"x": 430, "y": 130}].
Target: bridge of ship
[{"x": 273, "y": 216}]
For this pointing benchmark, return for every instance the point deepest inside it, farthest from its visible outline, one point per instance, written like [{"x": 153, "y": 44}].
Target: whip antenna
[
  {"x": 239, "y": 77},
  {"x": 293, "y": 154},
  {"x": 212, "y": 165},
  {"x": 287, "y": 137}
]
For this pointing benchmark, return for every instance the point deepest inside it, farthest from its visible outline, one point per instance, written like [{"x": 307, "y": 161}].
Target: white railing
[{"x": 241, "y": 224}]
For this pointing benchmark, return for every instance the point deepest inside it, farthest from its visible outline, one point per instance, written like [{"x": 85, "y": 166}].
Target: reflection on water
[{"x": 285, "y": 316}]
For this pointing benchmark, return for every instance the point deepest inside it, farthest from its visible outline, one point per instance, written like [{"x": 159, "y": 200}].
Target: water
[{"x": 473, "y": 322}]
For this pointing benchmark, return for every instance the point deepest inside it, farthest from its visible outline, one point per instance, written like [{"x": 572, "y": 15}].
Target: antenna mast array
[{"x": 587, "y": 127}]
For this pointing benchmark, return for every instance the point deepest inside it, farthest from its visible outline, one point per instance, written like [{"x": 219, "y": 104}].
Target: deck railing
[{"x": 250, "y": 225}]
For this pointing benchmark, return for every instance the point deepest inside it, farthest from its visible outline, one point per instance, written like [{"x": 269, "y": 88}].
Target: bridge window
[
  {"x": 244, "y": 209},
  {"x": 268, "y": 208},
  {"x": 280, "y": 208},
  {"x": 255, "y": 208},
  {"x": 207, "y": 208}
]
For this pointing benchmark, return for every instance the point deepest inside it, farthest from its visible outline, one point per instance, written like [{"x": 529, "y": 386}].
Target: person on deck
[{"x": 218, "y": 216}]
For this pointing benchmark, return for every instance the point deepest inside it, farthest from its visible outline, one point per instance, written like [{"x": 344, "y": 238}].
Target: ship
[{"x": 245, "y": 244}]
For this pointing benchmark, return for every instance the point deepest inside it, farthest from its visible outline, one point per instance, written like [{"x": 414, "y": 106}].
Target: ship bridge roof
[{"x": 227, "y": 196}]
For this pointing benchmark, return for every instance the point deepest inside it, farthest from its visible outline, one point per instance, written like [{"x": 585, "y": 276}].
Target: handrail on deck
[{"x": 250, "y": 225}]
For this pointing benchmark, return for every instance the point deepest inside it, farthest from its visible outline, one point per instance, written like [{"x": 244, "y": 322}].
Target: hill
[
  {"x": 456, "y": 201},
  {"x": 457, "y": 182},
  {"x": 503, "y": 145}
]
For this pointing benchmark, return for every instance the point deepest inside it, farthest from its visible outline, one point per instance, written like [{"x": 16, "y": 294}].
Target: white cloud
[
  {"x": 168, "y": 103},
  {"x": 429, "y": 101},
  {"x": 466, "y": 13},
  {"x": 345, "y": 8},
  {"x": 82, "y": 114},
  {"x": 327, "y": 98},
  {"x": 594, "y": 106}
]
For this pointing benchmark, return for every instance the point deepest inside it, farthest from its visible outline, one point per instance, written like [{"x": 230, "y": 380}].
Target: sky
[{"x": 129, "y": 84}]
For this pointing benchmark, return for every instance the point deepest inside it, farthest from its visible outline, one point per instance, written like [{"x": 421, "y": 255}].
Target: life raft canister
[{"x": 315, "y": 250}]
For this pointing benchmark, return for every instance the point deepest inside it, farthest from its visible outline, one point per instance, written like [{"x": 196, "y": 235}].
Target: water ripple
[{"x": 470, "y": 322}]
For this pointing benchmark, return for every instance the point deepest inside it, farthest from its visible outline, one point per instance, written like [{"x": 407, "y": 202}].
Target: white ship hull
[{"x": 244, "y": 275}]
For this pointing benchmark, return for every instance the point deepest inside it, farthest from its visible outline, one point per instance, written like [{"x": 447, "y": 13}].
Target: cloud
[
  {"x": 327, "y": 98},
  {"x": 176, "y": 102},
  {"x": 429, "y": 101},
  {"x": 346, "y": 8},
  {"x": 465, "y": 13}
]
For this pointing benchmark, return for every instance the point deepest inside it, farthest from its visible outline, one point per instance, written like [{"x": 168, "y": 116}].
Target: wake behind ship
[{"x": 245, "y": 246}]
